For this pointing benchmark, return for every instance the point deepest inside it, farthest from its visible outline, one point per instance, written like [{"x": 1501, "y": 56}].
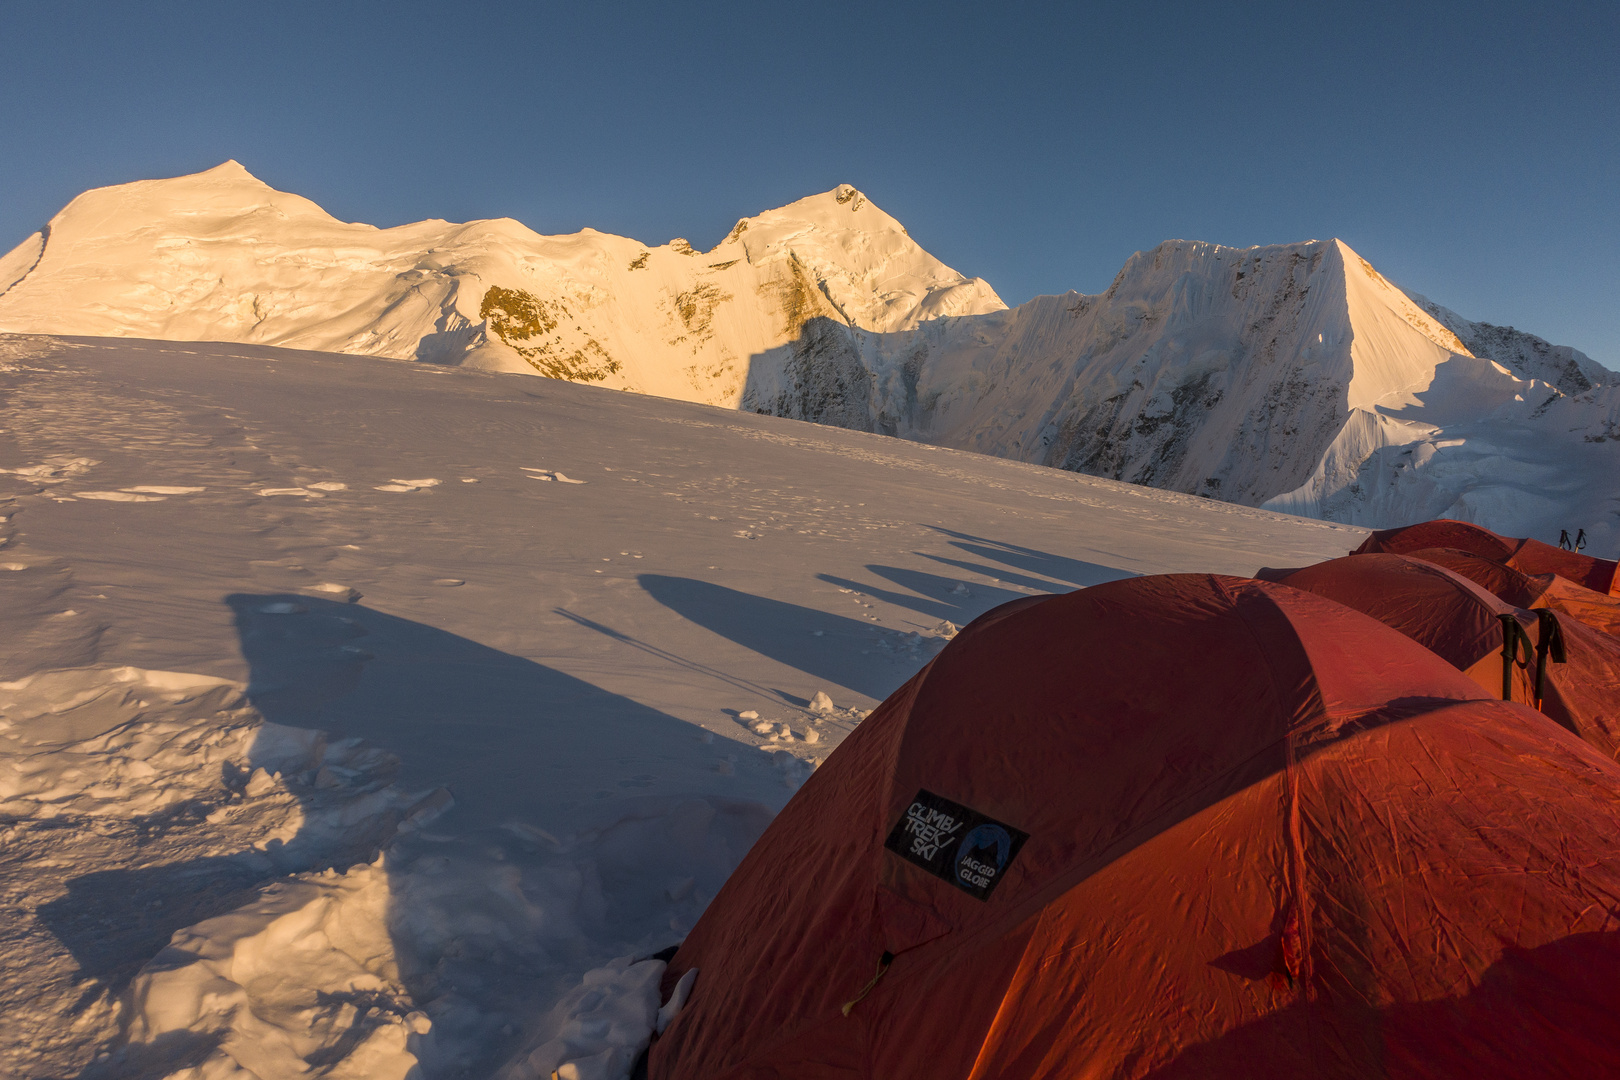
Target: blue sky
[{"x": 1468, "y": 150}]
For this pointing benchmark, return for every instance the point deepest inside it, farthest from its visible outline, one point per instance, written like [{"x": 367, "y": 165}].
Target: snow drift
[{"x": 1293, "y": 377}]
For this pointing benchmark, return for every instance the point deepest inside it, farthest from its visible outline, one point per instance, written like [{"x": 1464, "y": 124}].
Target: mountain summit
[{"x": 1293, "y": 377}]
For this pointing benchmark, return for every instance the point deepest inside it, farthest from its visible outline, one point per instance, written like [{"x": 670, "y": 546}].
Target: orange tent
[
  {"x": 1172, "y": 826},
  {"x": 1526, "y": 591},
  {"x": 1459, "y": 621},
  {"x": 1444, "y": 612},
  {"x": 1442, "y": 533},
  {"x": 1525, "y": 556}
]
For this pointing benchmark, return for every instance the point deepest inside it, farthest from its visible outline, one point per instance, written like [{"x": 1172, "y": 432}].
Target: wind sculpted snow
[{"x": 415, "y": 705}]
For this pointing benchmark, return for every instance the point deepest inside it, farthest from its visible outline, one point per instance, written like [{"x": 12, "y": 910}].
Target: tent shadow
[
  {"x": 1526, "y": 1001},
  {"x": 514, "y": 739},
  {"x": 961, "y": 600},
  {"x": 932, "y": 595},
  {"x": 1048, "y": 565},
  {"x": 112, "y": 922},
  {"x": 829, "y": 648},
  {"x": 510, "y": 737}
]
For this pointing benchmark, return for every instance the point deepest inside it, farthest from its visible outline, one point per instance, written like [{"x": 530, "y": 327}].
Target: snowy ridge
[
  {"x": 1293, "y": 376},
  {"x": 222, "y": 256},
  {"x": 1526, "y": 355}
]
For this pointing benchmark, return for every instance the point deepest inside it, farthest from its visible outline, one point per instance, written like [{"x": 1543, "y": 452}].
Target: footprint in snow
[
  {"x": 305, "y": 492},
  {"x": 548, "y": 474}
]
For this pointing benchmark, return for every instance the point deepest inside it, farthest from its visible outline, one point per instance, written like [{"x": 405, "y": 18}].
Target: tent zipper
[{"x": 883, "y": 965}]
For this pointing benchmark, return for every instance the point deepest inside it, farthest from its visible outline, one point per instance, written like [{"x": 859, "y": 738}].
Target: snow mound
[
  {"x": 303, "y": 976},
  {"x": 193, "y": 917},
  {"x": 135, "y": 802},
  {"x": 602, "y": 1025},
  {"x": 493, "y": 952}
]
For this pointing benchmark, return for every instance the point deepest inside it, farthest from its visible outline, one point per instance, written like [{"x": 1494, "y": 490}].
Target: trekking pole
[
  {"x": 1551, "y": 643},
  {"x": 1514, "y": 641}
]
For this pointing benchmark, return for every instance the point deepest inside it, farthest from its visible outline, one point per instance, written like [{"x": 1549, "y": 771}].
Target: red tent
[
  {"x": 1443, "y": 533},
  {"x": 1526, "y": 591},
  {"x": 1534, "y": 557},
  {"x": 1459, "y": 621},
  {"x": 1526, "y": 556},
  {"x": 1173, "y": 826},
  {"x": 1444, "y": 612}
]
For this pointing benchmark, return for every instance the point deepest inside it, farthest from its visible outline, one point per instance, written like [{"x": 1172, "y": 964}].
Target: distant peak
[
  {"x": 847, "y": 194},
  {"x": 229, "y": 170},
  {"x": 824, "y": 210},
  {"x": 824, "y": 206}
]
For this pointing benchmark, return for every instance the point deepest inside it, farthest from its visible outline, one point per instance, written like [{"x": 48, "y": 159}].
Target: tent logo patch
[{"x": 955, "y": 843}]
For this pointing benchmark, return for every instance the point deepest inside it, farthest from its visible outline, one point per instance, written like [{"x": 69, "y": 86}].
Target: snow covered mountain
[
  {"x": 222, "y": 256},
  {"x": 1293, "y": 377}
]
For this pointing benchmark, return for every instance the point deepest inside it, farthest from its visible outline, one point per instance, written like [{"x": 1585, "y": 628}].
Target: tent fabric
[
  {"x": 1497, "y": 578},
  {"x": 1523, "y": 590},
  {"x": 1526, "y": 556},
  {"x": 1594, "y": 609},
  {"x": 1534, "y": 557},
  {"x": 1583, "y": 694},
  {"x": 1446, "y": 613},
  {"x": 1267, "y": 835},
  {"x": 1457, "y": 620}
]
